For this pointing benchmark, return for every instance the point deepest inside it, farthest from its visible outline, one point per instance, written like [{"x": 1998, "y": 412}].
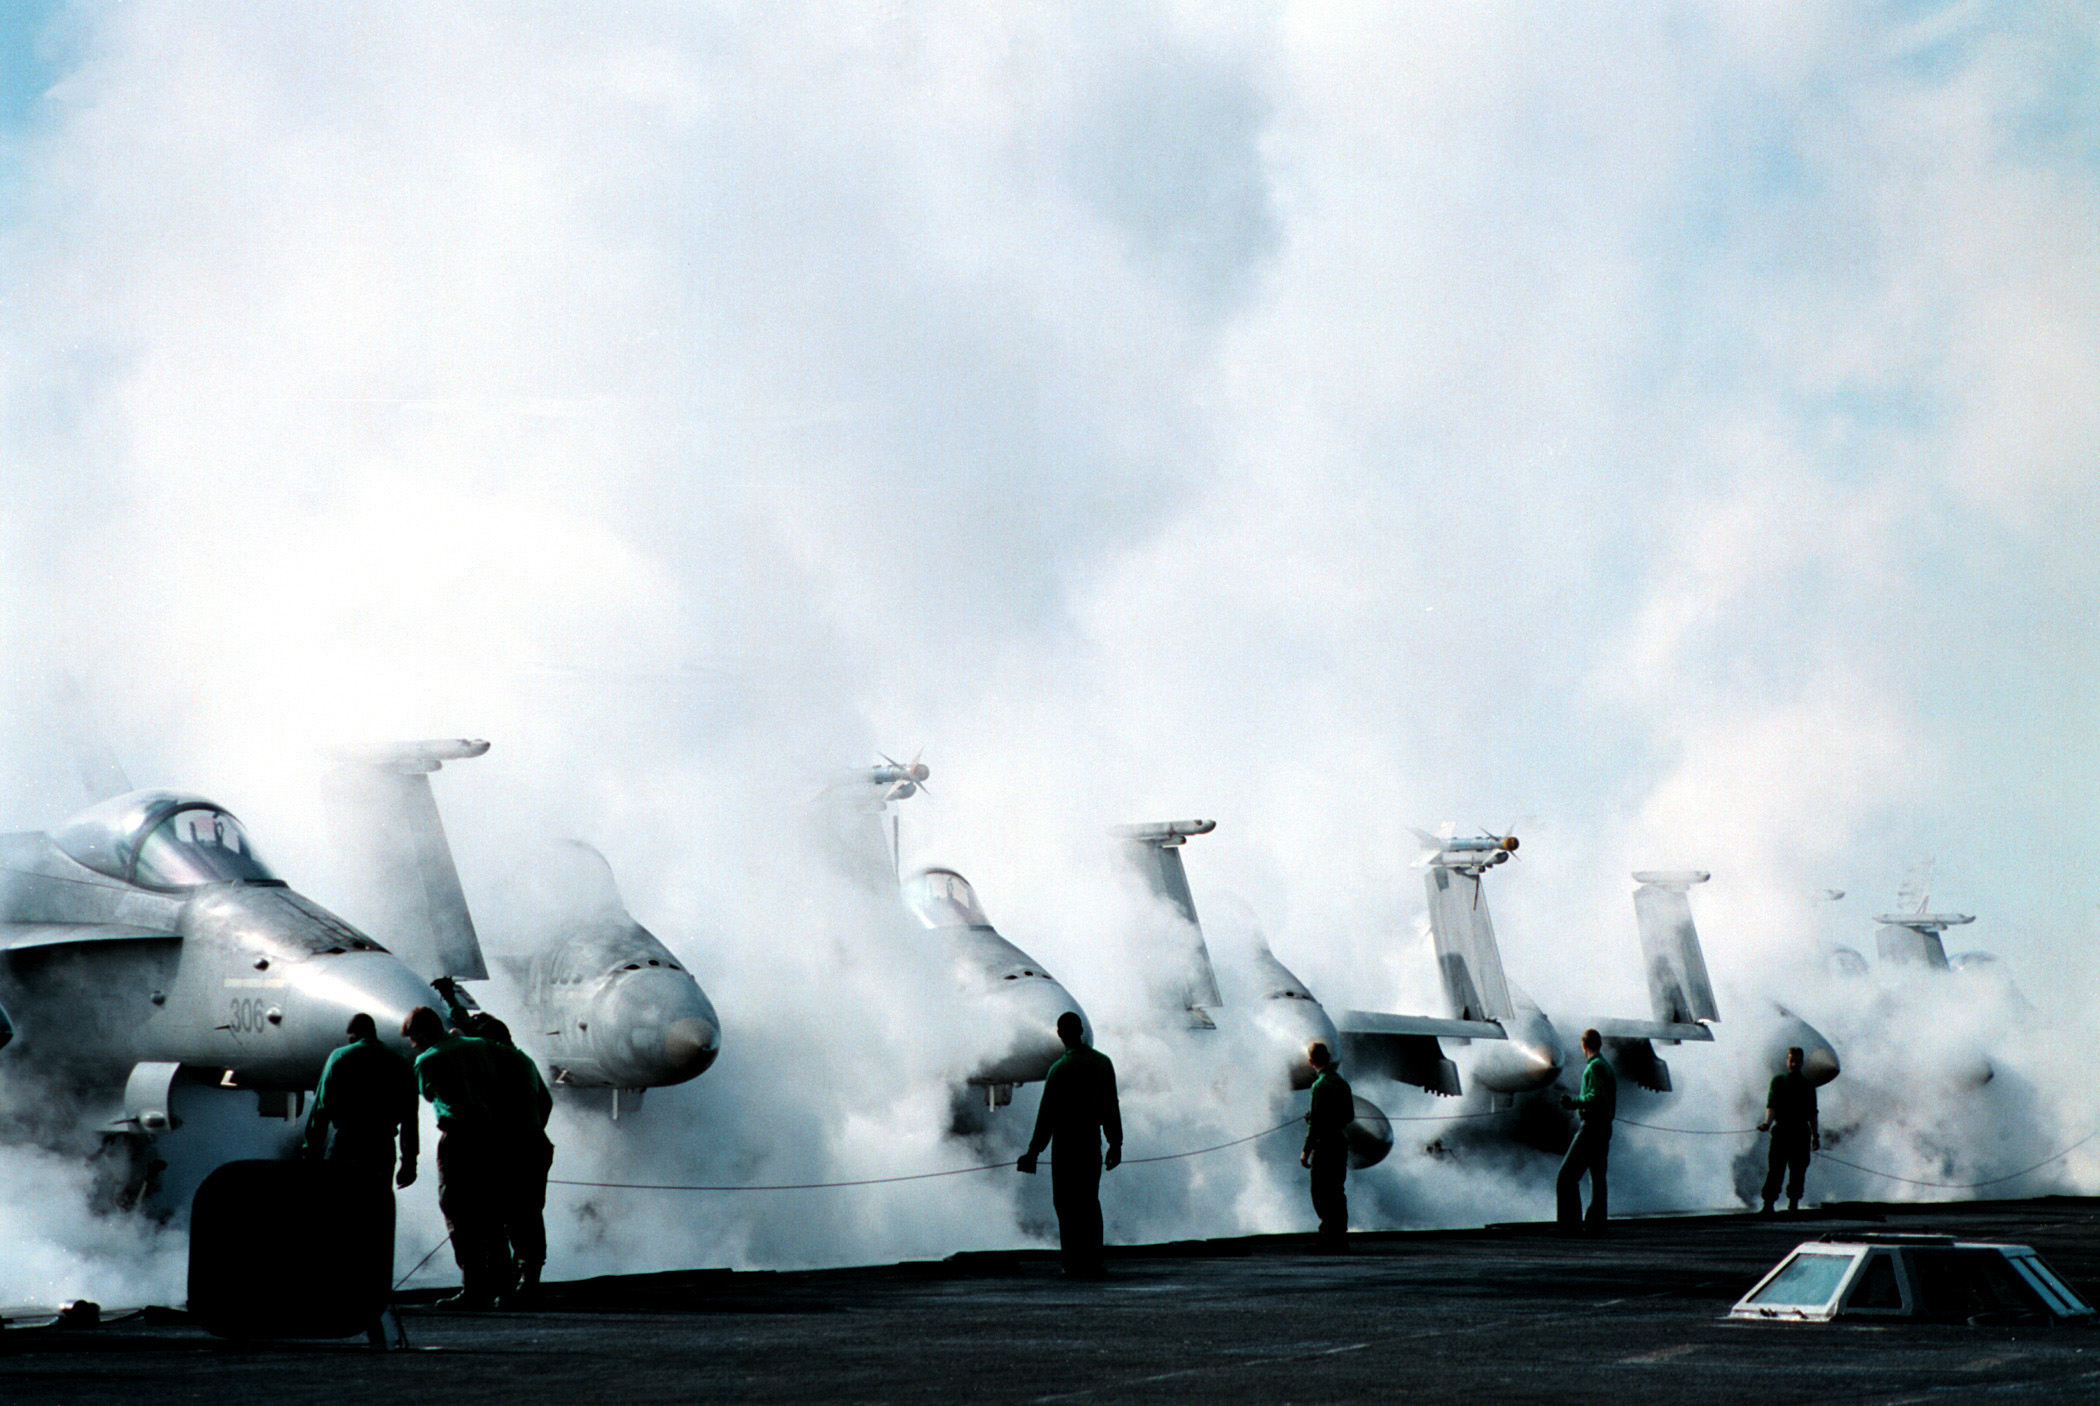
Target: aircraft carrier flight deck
[{"x": 1507, "y": 1314}]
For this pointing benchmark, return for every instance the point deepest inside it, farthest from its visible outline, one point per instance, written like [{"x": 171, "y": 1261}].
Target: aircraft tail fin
[
  {"x": 1678, "y": 986},
  {"x": 383, "y": 805},
  {"x": 1466, "y": 954},
  {"x": 100, "y": 773},
  {"x": 1910, "y": 945},
  {"x": 1155, "y": 852}
]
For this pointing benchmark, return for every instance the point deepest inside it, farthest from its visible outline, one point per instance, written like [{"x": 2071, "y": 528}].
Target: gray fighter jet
[
  {"x": 1910, "y": 936},
  {"x": 1680, "y": 993},
  {"x": 147, "y": 942},
  {"x": 606, "y": 1006},
  {"x": 1404, "y": 1047},
  {"x": 1015, "y": 999}
]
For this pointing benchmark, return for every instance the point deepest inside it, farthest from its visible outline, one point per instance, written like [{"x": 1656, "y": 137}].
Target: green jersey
[
  {"x": 1333, "y": 1110},
  {"x": 469, "y": 1083},
  {"x": 1792, "y": 1101},
  {"x": 1599, "y": 1100},
  {"x": 1079, "y": 1102},
  {"x": 367, "y": 1094}
]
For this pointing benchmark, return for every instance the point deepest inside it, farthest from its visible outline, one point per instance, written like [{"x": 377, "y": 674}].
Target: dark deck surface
[{"x": 1506, "y": 1314}]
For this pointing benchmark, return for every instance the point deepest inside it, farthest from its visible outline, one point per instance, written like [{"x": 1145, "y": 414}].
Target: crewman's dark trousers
[
  {"x": 1330, "y": 1172},
  {"x": 470, "y": 1193},
  {"x": 1788, "y": 1158},
  {"x": 1587, "y": 1153},
  {"x": 367, "y": 1154},
  {"x": 525, "y": 1202},
  {"x": 1075, "y": 1189}
]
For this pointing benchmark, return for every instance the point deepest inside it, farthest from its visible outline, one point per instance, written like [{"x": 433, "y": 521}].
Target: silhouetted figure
[
  {"x": 1079, "y": 1107},
  {"x": 527, "y": 1155},
  {"x": 367, "y": 1098},
  {"x": 1596, "y": 1104},
  {"x": 468, "y": 1084},
  {"x": 1790, "y": 1116},
  {"x": 1327, "y": 1148}
]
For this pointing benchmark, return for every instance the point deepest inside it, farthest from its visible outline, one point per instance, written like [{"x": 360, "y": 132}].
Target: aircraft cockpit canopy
[
  {"x": 943, "y": 898},
  {"x": 164, "y": 841}
]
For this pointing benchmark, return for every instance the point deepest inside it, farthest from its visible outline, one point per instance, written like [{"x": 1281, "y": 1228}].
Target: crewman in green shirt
[
  {"x": 1078, "y": 1109},
  {"x": 1327, "y": 1148},
  {"x": 527, "y": 1155},
  {"x": 1597, "y": 1104},
  {"x": 367, "y": 1098},
  {"x": 1790, "y": 1116},
  {"x": 466, "y": 1081}
]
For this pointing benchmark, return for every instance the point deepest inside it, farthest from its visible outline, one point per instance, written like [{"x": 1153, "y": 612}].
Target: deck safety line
[
  {"x": 927, "y": 1176},
  {"x": 423, "y": 1261},
  {"x": 1888, "y": 1176},
  {"x": 1252, "y": 1137},
  {"x": 966, "y": 1171}
]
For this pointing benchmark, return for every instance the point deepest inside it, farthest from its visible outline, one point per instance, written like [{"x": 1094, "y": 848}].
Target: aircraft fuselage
[
  {"x": 245, "y": 977},
  {"x": 611, "y": 1007}
]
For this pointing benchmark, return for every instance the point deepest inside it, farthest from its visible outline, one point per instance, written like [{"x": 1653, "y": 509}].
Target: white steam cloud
[{"x": 1663, "y": 431}]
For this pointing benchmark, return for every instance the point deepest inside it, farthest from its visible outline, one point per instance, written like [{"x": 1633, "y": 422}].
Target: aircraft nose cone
[
  {"x": 1819, "y": 1060},
  {"x": 654, "y": 1027},
  {"x": 326, "y": 991},
  {"x": 1370, "y": 1135},
  {"x": 1028, "y": 1009},
  {"x": 1296, "y": 1025},
  {"x": 690, "y": 1046},
  {"x": 1820, "y": 1064}
]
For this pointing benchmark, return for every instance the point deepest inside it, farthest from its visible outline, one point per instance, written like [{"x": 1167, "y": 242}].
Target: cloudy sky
[{"x": 1667, "y": 429}]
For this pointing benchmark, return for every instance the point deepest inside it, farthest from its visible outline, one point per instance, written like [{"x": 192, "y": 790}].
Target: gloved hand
[
  {"x": 1305, "y": 1159},
  {"x": 1026, "y": 1163},
  {"x": 1113, "y": 1160},
  {"x": 1815, "y": 1142},
  {"x": 1765, "y": 1127},
  {"x": 406, "y": 1177}
]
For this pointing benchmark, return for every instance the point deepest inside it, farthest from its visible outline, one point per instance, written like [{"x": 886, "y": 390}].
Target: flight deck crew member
[
  {"x": 1790, "y": 1116},
  {"x": 1597, "y": 1104},
  {"x": 1327, "y": 1148},
  {"x": 467, "y": 1086},
  {"x": 1078, "y": 1109},
  {"x": 526, "y": 1158},
  {"x": 367, "y": 1096}
]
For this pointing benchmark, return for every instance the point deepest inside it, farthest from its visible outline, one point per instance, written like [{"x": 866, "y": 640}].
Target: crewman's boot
[
  {"x": 1793, "y": 1204},
  {"x": 527, "y": 1292},
  {"x": 1766, "y": 1209}
]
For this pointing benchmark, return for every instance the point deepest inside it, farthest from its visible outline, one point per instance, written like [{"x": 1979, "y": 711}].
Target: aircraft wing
[
  {"x": 1630, "y": 1046},
  {"x": 15, "y": 937},
  {"x": 1669, "y": 1031},
  {"x": 1436, "y": 1027},
  {"x": 1404, "y": 1048}
]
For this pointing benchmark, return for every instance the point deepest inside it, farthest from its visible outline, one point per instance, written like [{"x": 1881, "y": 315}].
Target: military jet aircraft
[
  {"x": 1535, "y": 1056},
  {"x": 1017, "y": 1001},
  {"x": 1921, "y": 981},
  {"x": 145, "y": 944},
  {"x": 1288, "y": 1015},
  {"x": 1911, "y": 937},
  {"x": 606, "y": 1005}
]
